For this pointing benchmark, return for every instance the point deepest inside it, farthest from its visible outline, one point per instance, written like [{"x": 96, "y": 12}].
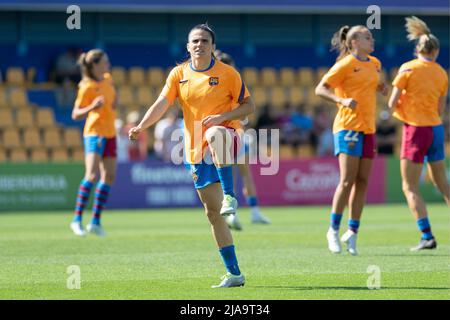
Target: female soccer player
[
  {"x": 249, "y": 188},
  {"x": 355, "y": 79},
  {"x": 96, "y": 101},
  {"x": 213, "y": 98},
  {"x": 418, "y": 97}
]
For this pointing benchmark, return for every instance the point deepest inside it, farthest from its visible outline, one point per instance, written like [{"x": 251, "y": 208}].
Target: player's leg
[
  {"x": 92, "y": 161},
  {"x": 358, "y": 194},
  {"x": 436, "y": 163},
  {"x": 438, "y": 174},
  {"x": 108, "y": 167},
  {"x": 233, "y": 219},
  {"x": 356, "y": 204},
  {"x": 411, "y": 172},
  {"x": 416, "y": 142},
  {"x": 348, "y": 168},
  {"x": 211, "y": 197},
  {"x": 249, "y": 190},
  {"x": 223, "y": 144}
]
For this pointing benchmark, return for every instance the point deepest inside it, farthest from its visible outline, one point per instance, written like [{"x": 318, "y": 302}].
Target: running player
[
  {"x": 248, "y": 188},
  {"x": 418, "y": 98},
  {"x": 213, "y": 99},
  {"x": 355, "y": 78},
  {"x": 96, "y": 100}
]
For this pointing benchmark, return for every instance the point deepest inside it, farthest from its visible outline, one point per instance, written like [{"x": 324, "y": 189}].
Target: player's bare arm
[
  {"x": 153, "y": 114},
  {"x": 395, "y": 96},
  {"x": 324, "y": 90},
  {"x": 246, "y": 108},
  {"x": 80, "y": 113}
]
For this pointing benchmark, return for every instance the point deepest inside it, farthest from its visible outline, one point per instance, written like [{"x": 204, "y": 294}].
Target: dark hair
[
  {"x": 207, "y": 28},
  {"x": 87, "y": 61},
  {"x": 204, "y": 27}
]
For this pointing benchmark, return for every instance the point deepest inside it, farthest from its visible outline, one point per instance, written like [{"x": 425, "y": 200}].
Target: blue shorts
[
  {"x": 437, "y": 148},
  {"x": 355, "y": 144},
  {"x": 348, "y": 142},
  {"x": 105, "y": 147},
  {"x": 203, "y": 174}
]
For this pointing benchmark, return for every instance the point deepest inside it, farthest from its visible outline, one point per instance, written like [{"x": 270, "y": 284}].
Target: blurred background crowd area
[{"x": 281, "y": 58}]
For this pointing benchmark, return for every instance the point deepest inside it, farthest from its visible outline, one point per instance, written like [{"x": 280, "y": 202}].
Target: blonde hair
[
  {"x": 87, "y": 61},
  {"x": 418, "y": 31},
  {"x": 342, "y": 39}
]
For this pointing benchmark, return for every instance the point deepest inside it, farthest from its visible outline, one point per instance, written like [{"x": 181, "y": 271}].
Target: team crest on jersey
[{"x": 213, "y": 81}]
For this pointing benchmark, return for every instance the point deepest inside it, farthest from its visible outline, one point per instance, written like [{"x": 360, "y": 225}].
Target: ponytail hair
[
  {"x": 338, "y": 42},
  {"x": 418, "y": 31},
  {"x": 342, "y": 39},
  {"x": 86, "y": 62}
]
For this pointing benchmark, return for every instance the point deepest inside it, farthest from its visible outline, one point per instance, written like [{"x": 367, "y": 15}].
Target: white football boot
[
  {"x": 334, "y": 244},
  {"x": 229, "y": 205},
  {"x": 349, "y": 238},
  {"x": 257, "y": 217},
  {"x": 233, "y": 222},
  {"x": 96, "y": 229},
  {"x": 231, "y": 280},
  {"x": 77, "y": 228}
]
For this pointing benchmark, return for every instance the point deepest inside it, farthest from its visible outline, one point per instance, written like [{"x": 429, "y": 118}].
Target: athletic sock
[
  {"x": 335, "y": 221},
  {"x": 226, "y": 179},
  {"x": 84, "y": 191},
  {"x": 229, "y": 259},
  {"x": 101, "y": 195},
  {"x": 425, "y": 228},
  {"x": 252, "y": 201},
  {"x": 353, "y": 225}
]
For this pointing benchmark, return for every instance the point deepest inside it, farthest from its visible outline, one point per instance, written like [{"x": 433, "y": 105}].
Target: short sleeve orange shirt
[
  {"x": 356, "y": 79},
  {"x": 216, "y": 90},
  {"x": 422, "y": 84},
  {"x": 99, "y": 122}
]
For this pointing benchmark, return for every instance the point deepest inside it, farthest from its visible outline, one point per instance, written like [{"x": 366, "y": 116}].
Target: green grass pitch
[{"x": 170, "y": 254}]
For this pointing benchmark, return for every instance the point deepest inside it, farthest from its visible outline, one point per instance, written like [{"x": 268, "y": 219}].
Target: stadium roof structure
[{"x": 429, "y": 7}]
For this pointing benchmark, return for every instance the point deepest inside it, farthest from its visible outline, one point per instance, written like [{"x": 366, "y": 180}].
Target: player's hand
[
  {"x": 349, "y": 103},
  {"x": 98, "y": 102},
  {"x": 383, "y": 89},
  {"x": 213, "y": 120},
  {"x": 133, "y": 133}
]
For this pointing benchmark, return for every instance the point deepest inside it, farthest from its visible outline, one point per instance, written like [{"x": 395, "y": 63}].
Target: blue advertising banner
[{"x": 152, "y": 184}]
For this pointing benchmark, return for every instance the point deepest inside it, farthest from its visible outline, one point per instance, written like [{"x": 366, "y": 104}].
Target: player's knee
[
  {"x": 362, "y": 182},
  {"x": 213, "y": 216},
  {"x": 90, "y": 176},
  {"x": 110, "y": 178},
  {"x": 211, "y": 133},
  {"x": 346, "y": 184},
  {"x": 409, "y": 190},
  {"x": 214, "y": 134}
]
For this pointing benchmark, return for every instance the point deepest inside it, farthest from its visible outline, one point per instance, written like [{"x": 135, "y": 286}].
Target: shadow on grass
[{"x": 349, "y": 288}]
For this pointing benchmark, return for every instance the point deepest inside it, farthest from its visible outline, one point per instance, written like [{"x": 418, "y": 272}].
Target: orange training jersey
[
  {"x": 99, "y": 122},
  {"x": 215, "y": 90},
  {"x": 356, "y": 79},
  {"x": 423, "y": 83}
]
